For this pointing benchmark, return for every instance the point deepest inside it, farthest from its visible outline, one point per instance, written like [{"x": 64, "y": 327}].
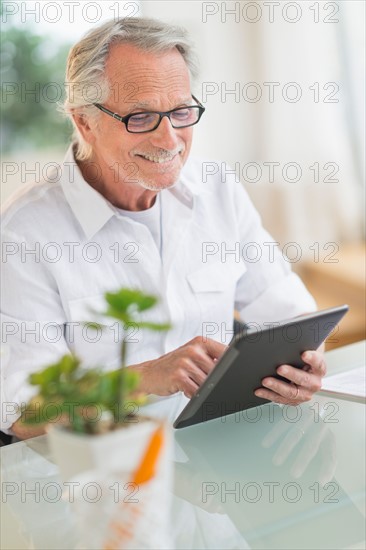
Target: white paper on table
[{"x": 351, "y": 383}]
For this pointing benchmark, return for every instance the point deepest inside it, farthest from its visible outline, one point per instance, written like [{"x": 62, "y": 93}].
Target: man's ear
[{"x": 84, "y": 127}]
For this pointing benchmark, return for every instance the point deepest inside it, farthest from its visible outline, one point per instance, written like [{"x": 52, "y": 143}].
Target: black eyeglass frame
[{"x": 126, "y": 118}]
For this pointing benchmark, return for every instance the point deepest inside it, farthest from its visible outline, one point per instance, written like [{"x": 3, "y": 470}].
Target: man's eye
[
  {"x": 181, "y": 114},
  {"x": 141, "y": 118}
]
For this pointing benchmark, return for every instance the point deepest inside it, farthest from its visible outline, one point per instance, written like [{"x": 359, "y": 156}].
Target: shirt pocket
[
  {"x": 213, "y": 287},
  {"x": 94, "y": 346}
]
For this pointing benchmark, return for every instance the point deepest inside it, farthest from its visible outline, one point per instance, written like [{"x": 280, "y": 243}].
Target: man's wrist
[
  {"x": 22, "y": 430},
  {"x": 141, "y": 370}
]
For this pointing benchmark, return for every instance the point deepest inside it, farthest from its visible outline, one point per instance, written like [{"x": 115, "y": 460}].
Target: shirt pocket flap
[
  {"x": 87, "y": 309},
  {"x": 216, "y": 277}
]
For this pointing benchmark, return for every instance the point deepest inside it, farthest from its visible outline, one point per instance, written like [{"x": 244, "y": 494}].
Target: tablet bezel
[{"x": 244, "y": 345}]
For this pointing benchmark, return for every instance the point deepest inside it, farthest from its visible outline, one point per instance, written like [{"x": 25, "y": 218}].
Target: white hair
[{"x": 86, "y": 82}]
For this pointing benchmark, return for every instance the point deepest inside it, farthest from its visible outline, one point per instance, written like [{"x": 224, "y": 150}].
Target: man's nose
[{"x": 165, "y": 135}]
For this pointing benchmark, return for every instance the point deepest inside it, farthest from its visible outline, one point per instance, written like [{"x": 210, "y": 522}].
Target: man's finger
[
  {"x": 196, "y": 374},
  {"x": 200, "y": 358},
  {"x": 213, "y": 348},
  {"x": 275, "y": 397},
  {"x": 316, "y": 360},
  {"x": 300, "y": 377},
  {"x": 189, "y": 387}
]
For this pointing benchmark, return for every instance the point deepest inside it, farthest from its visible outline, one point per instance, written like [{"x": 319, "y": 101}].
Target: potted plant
[{"x": 91, "y": 413}]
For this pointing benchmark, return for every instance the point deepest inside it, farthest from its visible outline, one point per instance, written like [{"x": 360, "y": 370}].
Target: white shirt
[
  {"x": 151, "y": 218},
  {"x": 65, "y": 245}
]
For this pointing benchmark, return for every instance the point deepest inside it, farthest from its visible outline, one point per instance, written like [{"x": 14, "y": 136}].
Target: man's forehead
[
  {"x": 142, "y": 79},
  {"x": 124, "y": 55},
  {"x": 145, "y": 77},
  {"x": 150, "y": 103}
]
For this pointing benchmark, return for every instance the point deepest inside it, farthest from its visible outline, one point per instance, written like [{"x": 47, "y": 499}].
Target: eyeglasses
[{"x": 144, "y": 121}]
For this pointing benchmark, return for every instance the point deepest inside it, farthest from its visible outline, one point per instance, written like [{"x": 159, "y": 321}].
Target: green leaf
[
  {"x": 146, "y": 302},
  {"x": 125, "y": 298},
  {"x": 69, "y": 363},
  {"x": 117, "y": 314},
  {"x": 122, "y": 299},
  {"x": 154, "y": 326},
  {"x": 52, "y": 373}
]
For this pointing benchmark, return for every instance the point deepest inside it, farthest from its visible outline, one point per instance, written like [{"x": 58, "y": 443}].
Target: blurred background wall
[{"x": 283, "y": 85}]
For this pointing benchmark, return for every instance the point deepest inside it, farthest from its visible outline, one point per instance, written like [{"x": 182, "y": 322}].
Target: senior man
[{"x": 129, "y": 207}]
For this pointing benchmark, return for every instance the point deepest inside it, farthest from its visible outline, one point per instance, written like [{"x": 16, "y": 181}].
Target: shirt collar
[
  {"x": 188, "y": 185},
  {"x": 92, "y": 210}
]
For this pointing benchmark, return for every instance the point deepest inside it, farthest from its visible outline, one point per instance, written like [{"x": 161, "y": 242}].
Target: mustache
[{"x": 159, "y": 153}]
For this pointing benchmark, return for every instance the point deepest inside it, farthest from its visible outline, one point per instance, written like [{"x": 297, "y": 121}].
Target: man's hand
[
  {"x": 183, "y": 369},
  {"x": 304, "y": 382},
  {"x": 24, "y": 431}
]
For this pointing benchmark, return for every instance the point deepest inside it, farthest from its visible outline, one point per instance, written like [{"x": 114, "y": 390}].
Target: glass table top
[{"x": 270, "y": 477}]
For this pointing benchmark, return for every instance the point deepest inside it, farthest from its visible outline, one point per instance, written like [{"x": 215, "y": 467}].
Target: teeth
[{"x": 159, "y": 160}]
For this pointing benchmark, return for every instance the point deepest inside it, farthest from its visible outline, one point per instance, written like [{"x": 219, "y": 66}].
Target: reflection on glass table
[{"x": 271, "y": 477}]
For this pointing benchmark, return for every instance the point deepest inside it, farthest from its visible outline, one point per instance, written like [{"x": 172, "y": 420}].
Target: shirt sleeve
[
  {"x": 32, "y": 324},
  {"x": 269, "y": 290}
]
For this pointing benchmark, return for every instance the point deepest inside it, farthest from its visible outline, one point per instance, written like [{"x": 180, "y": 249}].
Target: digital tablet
[{"x": 253, "y": 355}]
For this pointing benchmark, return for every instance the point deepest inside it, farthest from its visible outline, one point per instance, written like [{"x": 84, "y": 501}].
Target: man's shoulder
[
  {"x": 41, "y": 200},
  {"x": 34, "y": 201}
]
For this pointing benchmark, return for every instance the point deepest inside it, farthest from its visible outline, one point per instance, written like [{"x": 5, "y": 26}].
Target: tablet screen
[{"x": 250, "y": 357}]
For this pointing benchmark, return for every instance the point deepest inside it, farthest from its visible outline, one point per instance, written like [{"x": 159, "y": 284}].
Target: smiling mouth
[{"x": 158, "y": 159}]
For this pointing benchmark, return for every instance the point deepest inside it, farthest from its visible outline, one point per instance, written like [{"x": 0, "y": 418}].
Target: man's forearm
[{"x": 25, "y": 431}]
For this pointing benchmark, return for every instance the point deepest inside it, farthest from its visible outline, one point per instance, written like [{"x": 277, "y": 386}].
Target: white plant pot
[
  {"x": 142, "y": 511},
  {"x": 118, "y": 450},
  {"x": 106, "y": 464}
]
